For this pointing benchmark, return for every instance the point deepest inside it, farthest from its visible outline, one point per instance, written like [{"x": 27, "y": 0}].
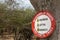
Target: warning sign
[{"x": 43, "y": 24}]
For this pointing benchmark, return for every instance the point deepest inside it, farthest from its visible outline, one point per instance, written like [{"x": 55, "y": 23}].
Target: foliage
[{"x": 15, "y": 18}]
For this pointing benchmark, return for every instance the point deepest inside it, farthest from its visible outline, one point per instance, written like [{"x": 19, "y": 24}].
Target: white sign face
[{"x": 42, "y": 24}]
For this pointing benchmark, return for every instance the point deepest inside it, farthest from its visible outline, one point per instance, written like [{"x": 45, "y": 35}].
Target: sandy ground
[{"x": 7, "y": 37}]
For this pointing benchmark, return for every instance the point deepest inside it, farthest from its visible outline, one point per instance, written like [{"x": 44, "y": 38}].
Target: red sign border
[{"x": 53, "y": 24}]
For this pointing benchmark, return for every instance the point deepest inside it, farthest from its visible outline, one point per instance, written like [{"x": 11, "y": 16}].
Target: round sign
[{"x": 43, "y": 24}]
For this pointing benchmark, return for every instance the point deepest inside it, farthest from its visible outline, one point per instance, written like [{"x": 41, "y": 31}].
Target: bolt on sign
[{"x": 43, "y": 24}]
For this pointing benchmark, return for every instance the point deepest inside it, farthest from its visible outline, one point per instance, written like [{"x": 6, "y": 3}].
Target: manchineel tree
[{"x": 52, "y": 6}]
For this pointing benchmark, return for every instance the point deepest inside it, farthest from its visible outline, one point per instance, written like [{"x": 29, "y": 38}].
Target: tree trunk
[{"x": 53, "y": 7}]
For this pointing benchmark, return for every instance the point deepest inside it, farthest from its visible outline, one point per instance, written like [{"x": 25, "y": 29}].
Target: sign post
[{"x": 43, "y": 24}]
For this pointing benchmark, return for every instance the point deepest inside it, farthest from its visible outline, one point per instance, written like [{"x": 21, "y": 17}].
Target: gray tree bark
[{"x": 53, "y": 7}]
